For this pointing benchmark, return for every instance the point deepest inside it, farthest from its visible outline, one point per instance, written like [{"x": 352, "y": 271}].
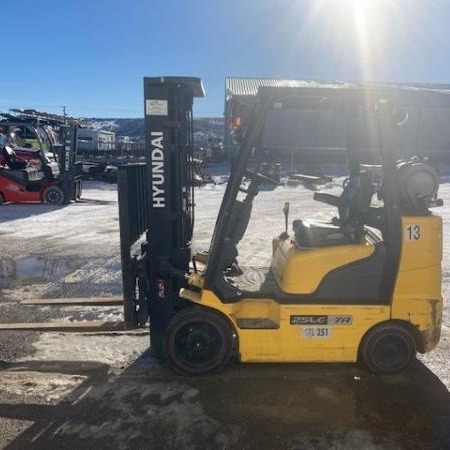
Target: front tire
[
  {"x": 388, "y": 349},
  {"x": 198, "y": 341},
  {"x": 53, "y": 195}
]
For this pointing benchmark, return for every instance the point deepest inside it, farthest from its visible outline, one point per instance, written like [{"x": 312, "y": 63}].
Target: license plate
[{"x": 316, "y": 332}]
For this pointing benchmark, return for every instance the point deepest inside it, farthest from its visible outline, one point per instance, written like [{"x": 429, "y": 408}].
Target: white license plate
[{"x": 316, "y": 332}]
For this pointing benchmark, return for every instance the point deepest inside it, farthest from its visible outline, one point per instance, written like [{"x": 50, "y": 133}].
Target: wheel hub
[
  {"x": 198, "y": 343},
  {"x": 391, "y": 351}
]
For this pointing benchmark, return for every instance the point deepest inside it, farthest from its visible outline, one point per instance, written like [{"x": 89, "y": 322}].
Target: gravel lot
[{"x": 104, "y": 390}]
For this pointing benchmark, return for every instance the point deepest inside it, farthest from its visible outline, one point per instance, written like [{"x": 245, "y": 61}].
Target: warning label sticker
[{"x": 156, "y": 107}]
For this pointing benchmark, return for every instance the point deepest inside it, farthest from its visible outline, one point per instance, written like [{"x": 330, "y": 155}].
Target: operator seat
[
  {"x": 11, "y": 159},
  {"x": 353, "y": 207}
]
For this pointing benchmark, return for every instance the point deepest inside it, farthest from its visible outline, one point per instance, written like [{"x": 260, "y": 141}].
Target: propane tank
[{"x": 418, "y": 186}]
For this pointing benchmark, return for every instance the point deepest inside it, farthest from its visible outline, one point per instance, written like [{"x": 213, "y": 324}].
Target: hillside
[{"x": 204, "y": 127}]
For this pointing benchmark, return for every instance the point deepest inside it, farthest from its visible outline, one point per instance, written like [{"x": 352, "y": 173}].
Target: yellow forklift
[{"x": 365, "y": 286}]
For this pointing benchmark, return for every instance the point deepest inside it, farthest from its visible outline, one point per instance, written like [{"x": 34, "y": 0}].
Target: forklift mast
[
  {"x": 70, "y": 170},
  {"x": 158, "y": 200}
]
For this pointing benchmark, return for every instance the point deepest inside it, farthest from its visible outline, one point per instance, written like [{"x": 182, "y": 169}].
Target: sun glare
[{"x": 363, "y": 26}]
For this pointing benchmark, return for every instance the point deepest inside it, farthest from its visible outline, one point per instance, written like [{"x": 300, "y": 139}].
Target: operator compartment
[
  {"x": 325, "y": 259},
  {"x": 344, "y": 258}
]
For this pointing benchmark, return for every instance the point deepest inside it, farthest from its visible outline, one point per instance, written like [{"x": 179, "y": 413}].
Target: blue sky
[{"x": 91, "y": 55}]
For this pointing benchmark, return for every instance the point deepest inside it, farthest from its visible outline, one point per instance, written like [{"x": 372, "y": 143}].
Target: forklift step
[
  {"x": 65, "y": 327},
  {"x": 92, "y": 301},
  {"x": 190, "y": 295},
  {"x": 257, "y": 323}
]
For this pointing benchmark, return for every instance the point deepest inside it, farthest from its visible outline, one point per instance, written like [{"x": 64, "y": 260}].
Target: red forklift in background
[{"x": 37, "y": 158}]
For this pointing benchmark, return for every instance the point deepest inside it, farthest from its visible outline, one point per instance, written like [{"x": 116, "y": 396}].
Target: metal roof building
[
  {"x": 426, "y": 105},
  {"x": 238, "y": 86}
]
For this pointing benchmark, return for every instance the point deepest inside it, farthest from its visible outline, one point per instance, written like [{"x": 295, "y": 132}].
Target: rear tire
[
  {"x": 198, "y": 341},
  {"x": 53, "y": 195},
  {"x": 388, "y": 349}
]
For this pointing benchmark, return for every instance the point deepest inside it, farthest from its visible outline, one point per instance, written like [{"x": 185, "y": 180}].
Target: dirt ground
[{"x": 61, "y": 390}]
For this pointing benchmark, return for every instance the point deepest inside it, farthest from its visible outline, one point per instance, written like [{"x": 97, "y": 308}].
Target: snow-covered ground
[{"x": 73, "y": 251}]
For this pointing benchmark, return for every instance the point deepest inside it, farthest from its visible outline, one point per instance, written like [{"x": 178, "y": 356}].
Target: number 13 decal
[{"x": 413, "y": 233}]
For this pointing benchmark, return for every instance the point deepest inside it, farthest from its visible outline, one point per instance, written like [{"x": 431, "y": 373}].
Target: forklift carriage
[{"x": 365, "y": 286}]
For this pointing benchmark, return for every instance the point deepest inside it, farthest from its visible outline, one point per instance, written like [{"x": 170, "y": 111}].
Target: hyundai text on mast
[{"x": 157, "y": 158}]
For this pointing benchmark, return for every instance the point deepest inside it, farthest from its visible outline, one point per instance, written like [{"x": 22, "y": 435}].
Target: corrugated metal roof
[{"x": 249, "y": 86}]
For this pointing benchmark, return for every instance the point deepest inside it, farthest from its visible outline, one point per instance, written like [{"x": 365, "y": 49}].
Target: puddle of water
[{"x": 34, "y": 269}]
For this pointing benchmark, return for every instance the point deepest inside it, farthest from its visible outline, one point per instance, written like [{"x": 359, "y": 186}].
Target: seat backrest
[
  {"x": 12, "y": 160},
  {"x": 356, "y": 199},
  {"x": 347, "y": 198},
  {"x": 365, "y": 193},
  {"x": 10, "y": 154}
]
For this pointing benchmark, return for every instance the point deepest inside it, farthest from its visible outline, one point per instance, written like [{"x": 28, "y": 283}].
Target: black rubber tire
[
  {"x": 198, "y": 341},
  {"x": 1, "y": 199},
  {"x": 388, "y": 349},
  {"x": 53, "y": 195}
]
